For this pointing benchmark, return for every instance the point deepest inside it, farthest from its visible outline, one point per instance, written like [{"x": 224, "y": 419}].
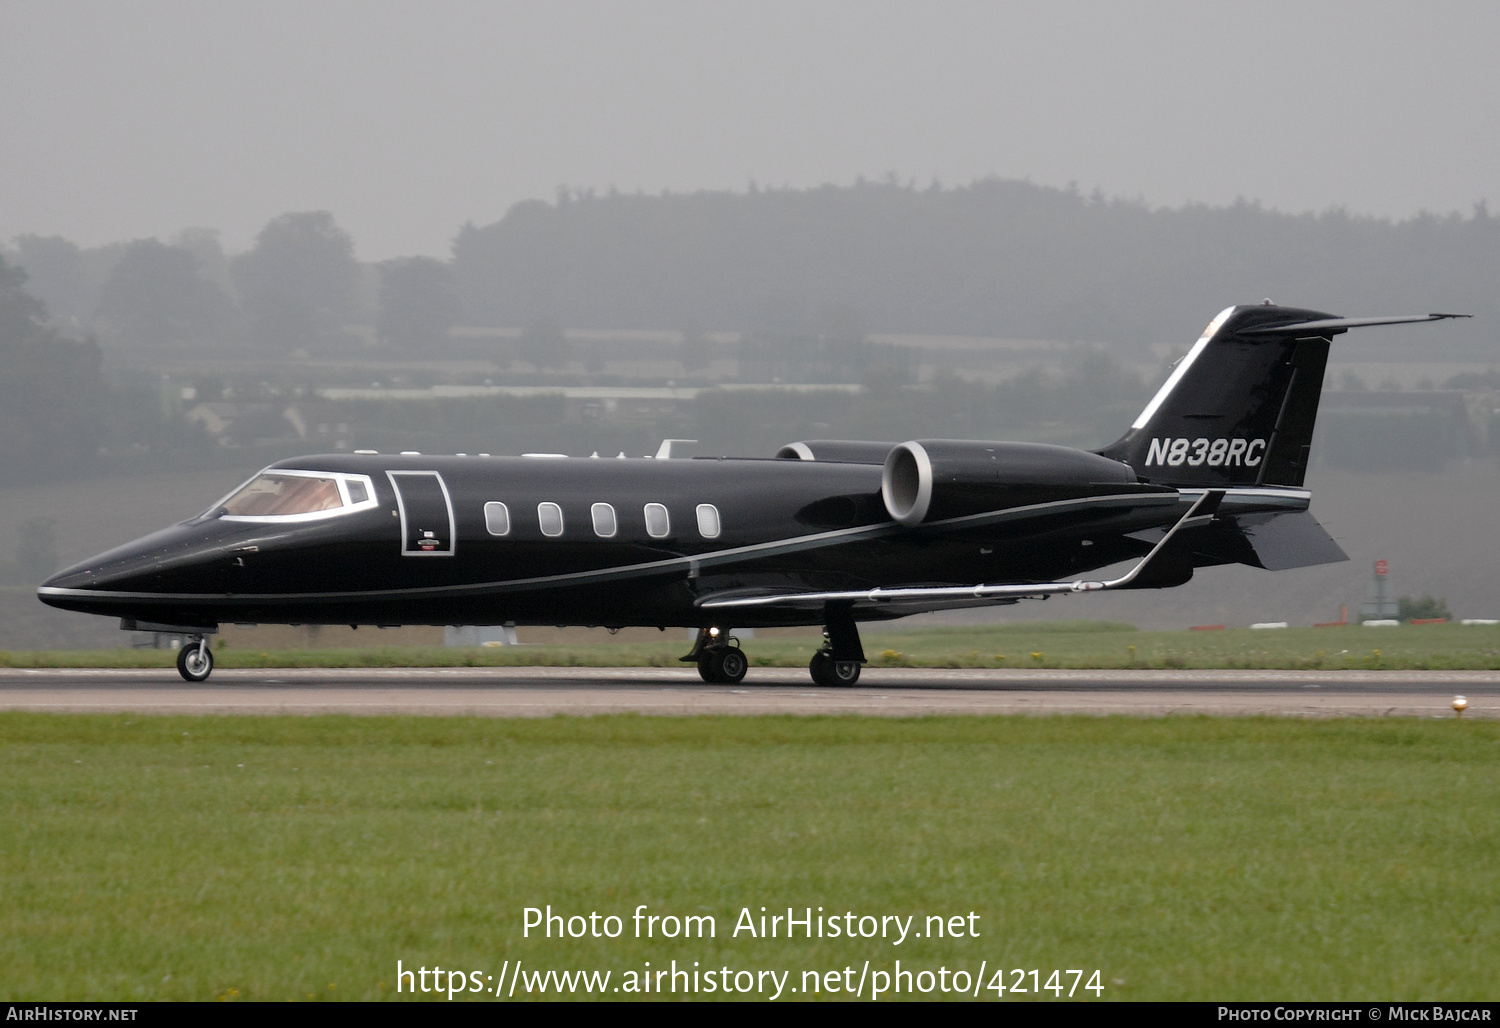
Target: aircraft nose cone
[
  {"x": 79, "y": 576},
  {"x": 129, "y": 578},
  {"x": 75, "y": 585},
  {"x": 112, "y": 570}
]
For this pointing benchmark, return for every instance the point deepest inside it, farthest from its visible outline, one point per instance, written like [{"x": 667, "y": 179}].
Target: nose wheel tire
[
  {"x": 832, "y": 673},
  {"x": 722, "y": 665},
  {"x": 195, "y": 662}
]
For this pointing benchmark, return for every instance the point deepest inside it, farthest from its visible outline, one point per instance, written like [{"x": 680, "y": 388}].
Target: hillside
[{"x": 996, "y": 258}]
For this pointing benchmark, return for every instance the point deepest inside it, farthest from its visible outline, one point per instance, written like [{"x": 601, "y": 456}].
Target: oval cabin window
[
  {"x": 708, "y": 521},
  {"x": 497, "y": 518},
  {"x": 604, "y": 520},
  {"x": 549, "y": 515},
  {"x": 658, "y": 524}
]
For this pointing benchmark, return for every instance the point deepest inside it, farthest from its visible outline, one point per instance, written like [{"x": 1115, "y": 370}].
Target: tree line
[
  {"x": 294, "y": 289},
  {"x": 806, "y": 276},
  {"x": 997, "y": 257},
  {"x": 61, "y": 417}
]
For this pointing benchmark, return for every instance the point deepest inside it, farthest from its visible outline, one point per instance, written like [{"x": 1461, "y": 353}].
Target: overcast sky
[{"x": 127, "y": 119}]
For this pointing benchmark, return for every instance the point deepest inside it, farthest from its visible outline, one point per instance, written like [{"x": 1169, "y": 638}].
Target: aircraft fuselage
[{"x": 430, "y": 547}]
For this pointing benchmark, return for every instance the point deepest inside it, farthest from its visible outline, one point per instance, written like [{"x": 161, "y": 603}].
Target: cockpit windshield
[
  {"x": 291, "y": 494},
  {"x": 271, "y": 494}
]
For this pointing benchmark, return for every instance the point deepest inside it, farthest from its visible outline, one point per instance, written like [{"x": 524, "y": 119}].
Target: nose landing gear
[
  {"x": 718, "y": 656},
  {"x": 195, "y": 661}
]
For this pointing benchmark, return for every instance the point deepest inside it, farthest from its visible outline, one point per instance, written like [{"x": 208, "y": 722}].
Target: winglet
[{"x": 1343, "y": 324}]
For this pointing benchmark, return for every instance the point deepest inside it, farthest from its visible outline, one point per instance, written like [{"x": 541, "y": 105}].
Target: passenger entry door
[{"x": 427, "y": 527}]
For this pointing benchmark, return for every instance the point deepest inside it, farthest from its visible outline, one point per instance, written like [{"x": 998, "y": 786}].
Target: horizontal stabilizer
[
  {"x": 1271, "y": 541},
  {"x": 1290, "y": 541}
]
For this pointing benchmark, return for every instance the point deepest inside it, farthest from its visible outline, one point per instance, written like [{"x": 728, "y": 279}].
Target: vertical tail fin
[{"x": 1240, "y": 408}]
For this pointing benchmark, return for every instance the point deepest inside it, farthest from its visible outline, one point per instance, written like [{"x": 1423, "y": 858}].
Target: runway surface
[{"x": 895, "y": 692}]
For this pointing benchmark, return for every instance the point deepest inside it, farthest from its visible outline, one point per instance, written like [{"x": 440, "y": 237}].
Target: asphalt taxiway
[{"x": 896, "y": 692}]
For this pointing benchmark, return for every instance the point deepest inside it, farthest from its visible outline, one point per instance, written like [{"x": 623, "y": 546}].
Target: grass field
[
  {"x": 1065, "y": 644},
  {"x": 264, "y": 858}
]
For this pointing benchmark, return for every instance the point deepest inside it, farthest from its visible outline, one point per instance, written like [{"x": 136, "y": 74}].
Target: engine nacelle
[
  {"x": 843, "y": 451},
  {"x": 932, "y": 479}
]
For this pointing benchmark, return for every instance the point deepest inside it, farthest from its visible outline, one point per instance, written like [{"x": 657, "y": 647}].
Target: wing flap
[{"x": 1200, "y": 513}]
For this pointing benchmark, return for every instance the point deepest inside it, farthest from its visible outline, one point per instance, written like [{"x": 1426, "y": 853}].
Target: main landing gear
[
  {"x": 195, "y": 661},
  {"x": 721, "y": 661},
  {"x": 718, "y": 656},
  {"x": 833, "y": 673},
  {"x": 839, "y": 661}
]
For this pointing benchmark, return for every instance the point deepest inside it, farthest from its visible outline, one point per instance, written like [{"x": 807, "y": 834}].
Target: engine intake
[{"x": 931, "y": 479}]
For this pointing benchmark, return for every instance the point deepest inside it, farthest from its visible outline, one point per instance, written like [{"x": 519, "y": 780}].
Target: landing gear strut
[
  {"x": 195, "y": 661},
  {"x": 838, "y": 662},
  {"x": 718, "y": 656}
]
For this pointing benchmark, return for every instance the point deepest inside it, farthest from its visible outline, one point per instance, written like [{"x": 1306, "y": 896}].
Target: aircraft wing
[{"x": 1200, "y": 513}]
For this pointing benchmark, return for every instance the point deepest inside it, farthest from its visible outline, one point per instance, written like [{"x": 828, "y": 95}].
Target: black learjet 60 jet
[{"x": 826, "y": 533}]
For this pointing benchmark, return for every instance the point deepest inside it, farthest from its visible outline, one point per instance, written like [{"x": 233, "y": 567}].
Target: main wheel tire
[
  {"x": 195, "y": 663},
  {"x": 843, "y": 672},
  {"x": 729, "y": 665},
  {"x": 706, "y": 667},
  {"x": 833, "y": 674}
]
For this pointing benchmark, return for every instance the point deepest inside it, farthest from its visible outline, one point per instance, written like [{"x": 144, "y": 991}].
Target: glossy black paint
[
  {"x": 969, "y": 477},
  {"x": 785, "y": 525},
  {"x": 1251, "y": 382}
]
